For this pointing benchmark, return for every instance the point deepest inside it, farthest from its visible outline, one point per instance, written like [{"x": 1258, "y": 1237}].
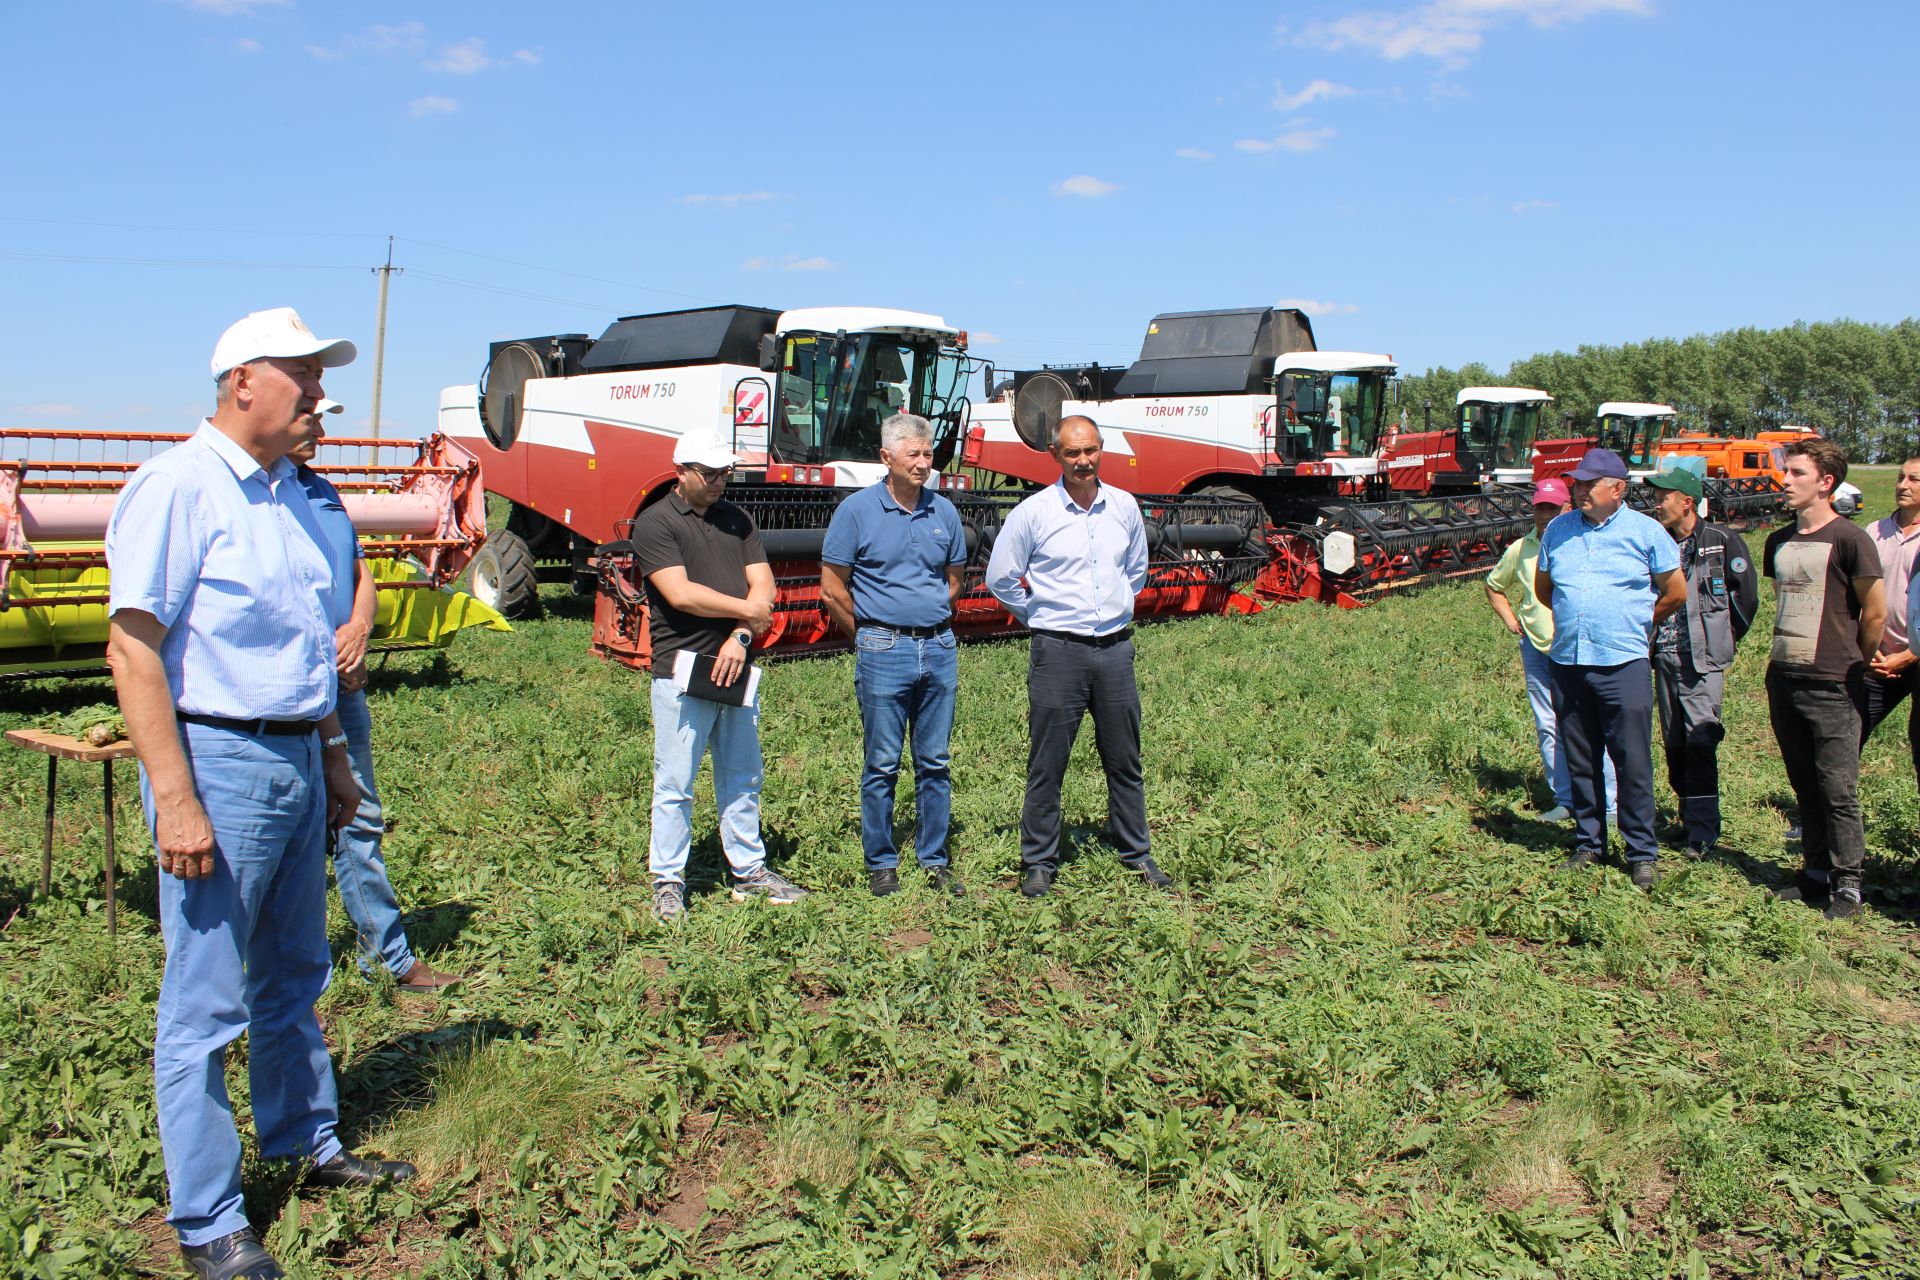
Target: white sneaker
[{"x": 1559, "y": 813}]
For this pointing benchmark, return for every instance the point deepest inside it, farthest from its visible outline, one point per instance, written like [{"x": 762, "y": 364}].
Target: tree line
[{"x": 1855, "y": 382}]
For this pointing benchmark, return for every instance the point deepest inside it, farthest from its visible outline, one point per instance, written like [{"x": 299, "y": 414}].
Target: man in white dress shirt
[{"x": 1081, "y": 549}]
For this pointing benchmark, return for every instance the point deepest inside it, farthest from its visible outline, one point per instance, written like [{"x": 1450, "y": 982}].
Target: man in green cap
[{"x": 1693, "y": 648}]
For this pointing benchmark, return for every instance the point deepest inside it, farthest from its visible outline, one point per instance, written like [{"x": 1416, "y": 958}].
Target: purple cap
[
  {"x": 1600, "y": 464},
  {"x": 1552, "y": 490}
]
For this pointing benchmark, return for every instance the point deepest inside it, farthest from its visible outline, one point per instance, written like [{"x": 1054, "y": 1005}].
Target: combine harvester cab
[
  {"x": 417, "y": 505},
  {"x": 1491, "y": 440},
  {"x": 1639, "y": 432},
  {"x": 578, "y": 435}
]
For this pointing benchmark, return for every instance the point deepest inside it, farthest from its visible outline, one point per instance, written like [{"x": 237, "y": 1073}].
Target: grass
[{"x": 1375, "y": 1034}]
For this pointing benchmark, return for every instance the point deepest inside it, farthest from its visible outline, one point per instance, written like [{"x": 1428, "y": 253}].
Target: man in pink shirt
[{"x": 1894, "y": 674}]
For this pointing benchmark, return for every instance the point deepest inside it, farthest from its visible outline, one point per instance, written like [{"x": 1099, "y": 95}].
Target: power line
[
  {"x": 174, "y": 262},
  {"x": 483, "y": 287},
  {"x": 534, "y": 266},
  {"x": 219, "y": 231}
]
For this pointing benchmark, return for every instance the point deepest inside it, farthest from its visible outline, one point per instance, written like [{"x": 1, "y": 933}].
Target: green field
[{"x": 1376, "y": 1033}]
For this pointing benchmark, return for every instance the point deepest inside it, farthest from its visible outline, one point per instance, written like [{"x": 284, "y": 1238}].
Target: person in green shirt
[{"x": 1510, "y": 591}]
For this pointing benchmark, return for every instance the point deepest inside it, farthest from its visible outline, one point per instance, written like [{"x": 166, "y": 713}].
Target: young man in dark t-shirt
[
  {"x": 709, "y": 592},
  {"x": 1831, "y": 606}
]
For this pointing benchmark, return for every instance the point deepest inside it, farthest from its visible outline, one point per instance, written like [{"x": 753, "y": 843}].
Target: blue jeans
[
  {"x": 904, "y": 681},
  {"x": 358, "y": 867},
  {"x": 246, "y": 952},
  {"x": 684, "y": 727},
  {"x": 1539, "y": 671}
]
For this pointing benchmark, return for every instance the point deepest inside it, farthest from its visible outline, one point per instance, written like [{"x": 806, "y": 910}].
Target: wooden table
[{"x": 57, "y": 747}]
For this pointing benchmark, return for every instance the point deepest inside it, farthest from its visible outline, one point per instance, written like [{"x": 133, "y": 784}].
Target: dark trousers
[
  {"x": 1690, "y": 730},
  {"x": 1880, "y": 697},
  {"x": 1817, "y": 724},
  {"x": 1065, "y": 680},
  {"x": 1606, "y": 713}
]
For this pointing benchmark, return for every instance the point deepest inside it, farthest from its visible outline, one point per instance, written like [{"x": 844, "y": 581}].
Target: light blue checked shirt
[
  {"x": 1603, "y": 592},
  {"x": 1083, "y": 565},
  {"x": 234, "y": 560}
]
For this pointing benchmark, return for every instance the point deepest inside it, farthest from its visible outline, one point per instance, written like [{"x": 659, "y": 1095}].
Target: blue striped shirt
[{"x": 1603, "y": 592}]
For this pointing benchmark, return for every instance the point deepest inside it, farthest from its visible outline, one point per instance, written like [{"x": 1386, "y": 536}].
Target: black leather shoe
[
  {"x": 944, "y": 881},
  {"x": 349, "y": 1170},
  {"x": 1643, "y": 874},
  {"x": 1578, "y": 860},
  {"x": 1812, "y": 892},
  {"x": 239, "y": 1256},
  {"x": 1842, "y": 906},
  {"x": 883, "y": 882},
  {"x": 1037, "y": 883},
  {"x": 1149, "y": 870}
]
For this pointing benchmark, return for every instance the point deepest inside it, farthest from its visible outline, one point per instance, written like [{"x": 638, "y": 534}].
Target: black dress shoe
[
  {"x": 349, "y": 1170},
  {"x": 944, "y": 881},
  {"x": 239, "y": 1256},
  {"x": 1578, "y": 860},
  {"x": 1037, "y": 883},
  {"x": 1643, "y": 874},
  {"x": 1813, "y": 893},
  {"x": 1149, "y": 870},
  {"x": 883, "y": 882}
]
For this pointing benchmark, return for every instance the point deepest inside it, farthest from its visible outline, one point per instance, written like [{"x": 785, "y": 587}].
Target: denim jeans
[
  {"x": 1539, "y": 671},
  {"x": 246, "y": 952},
  {"x": 1817, "y": 724},
  {"x": 684, "y": 727},
  {"x": 901, "y": 682},
  {"x": 359, "y": 869},
  {"x": 1606, "y": 713}
]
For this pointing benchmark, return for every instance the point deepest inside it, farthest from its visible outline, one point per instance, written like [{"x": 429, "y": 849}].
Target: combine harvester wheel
[{"x": 504, "y": 577}]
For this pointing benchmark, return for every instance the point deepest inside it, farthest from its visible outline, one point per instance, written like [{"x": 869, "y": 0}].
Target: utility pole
[{"x": 380, "y": 333}]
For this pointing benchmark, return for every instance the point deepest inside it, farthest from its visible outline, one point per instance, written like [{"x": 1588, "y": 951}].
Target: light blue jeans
[
  {"x": 246, "y": 953},
  {"x": 1540, "y": 696},
  {"x": 904, "y": 681},
  {"x": 684, "y": 727},
  {"x": 359, "y": 869}
]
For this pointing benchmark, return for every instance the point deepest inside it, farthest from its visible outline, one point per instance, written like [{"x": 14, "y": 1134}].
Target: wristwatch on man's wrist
[
  {"x": 337, "y": 740},
  {"x": 743, "y": 637}
]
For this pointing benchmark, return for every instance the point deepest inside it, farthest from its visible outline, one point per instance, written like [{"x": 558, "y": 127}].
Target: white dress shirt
[{"x": 1082, "y": 565}]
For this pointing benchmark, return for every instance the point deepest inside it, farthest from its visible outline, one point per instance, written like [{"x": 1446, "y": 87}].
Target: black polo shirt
[{"x": 715, "y": 550}]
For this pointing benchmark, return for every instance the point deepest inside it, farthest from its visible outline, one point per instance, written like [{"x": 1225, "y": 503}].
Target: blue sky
[{"x": 1445, "y": 181}]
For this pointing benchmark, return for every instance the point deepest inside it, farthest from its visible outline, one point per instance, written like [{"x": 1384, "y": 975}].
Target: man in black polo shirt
[{"x": 709, "y": 592}]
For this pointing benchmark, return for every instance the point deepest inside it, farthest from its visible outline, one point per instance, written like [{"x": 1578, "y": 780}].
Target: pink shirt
[{"x": 1896, "y": 562}]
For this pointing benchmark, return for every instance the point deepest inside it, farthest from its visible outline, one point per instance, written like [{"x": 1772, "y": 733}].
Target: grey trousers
[
  {"x": 1689, "y": 705},
  {"x": 1817, "y": 724},
  {"x": 1065, "y": 680}
]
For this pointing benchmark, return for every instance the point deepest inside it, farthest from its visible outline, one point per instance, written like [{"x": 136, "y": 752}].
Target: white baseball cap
[
  {"x": 277, "y": 332},
  {"x": 329, "y": 406},
  {"x": 703, "y": 450}
]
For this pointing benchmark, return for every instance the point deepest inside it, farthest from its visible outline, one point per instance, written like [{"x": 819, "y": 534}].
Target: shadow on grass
[
  {"x": 52, "y": 699},
  {"x": 411, "y": 673},
  {"x": 1513, "y": 827}
]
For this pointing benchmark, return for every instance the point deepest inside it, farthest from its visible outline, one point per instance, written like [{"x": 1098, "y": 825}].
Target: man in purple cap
[
  {"x": 1510, "y": 593},
  {"x": 1693, "y": 648},
  {"x": 1610, "y": 573}
]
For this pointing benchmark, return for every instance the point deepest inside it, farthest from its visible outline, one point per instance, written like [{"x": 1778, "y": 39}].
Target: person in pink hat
[{"x": 1510, "y": 592}]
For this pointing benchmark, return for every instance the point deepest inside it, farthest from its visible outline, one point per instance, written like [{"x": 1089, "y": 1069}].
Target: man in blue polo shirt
[
  {"x": 889, "y": 574},
  {"x": 1611, "y": 573}
]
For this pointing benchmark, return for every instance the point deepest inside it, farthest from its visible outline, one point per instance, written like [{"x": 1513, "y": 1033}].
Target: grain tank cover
[
  {"x": 1200, "y": 353},
  {"x": 703, "y": 335}
]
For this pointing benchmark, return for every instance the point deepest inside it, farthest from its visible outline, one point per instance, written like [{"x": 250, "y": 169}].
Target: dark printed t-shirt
[
  {"x": 1816, "y": 629},
  {"x": 715, "y": 550}
]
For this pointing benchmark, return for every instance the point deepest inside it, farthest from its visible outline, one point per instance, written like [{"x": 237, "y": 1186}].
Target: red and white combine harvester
[
  {"x": 1241, "y": 403},
  {"x": 577, "y": 434},
  {"x": 417, "y": 505},
  {"x": 1491, "y": 439}
]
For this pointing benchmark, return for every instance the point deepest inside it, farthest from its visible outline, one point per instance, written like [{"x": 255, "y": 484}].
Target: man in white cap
[
  {"x": 225, "y": 598},
  {"x": 709, "y": 594}
]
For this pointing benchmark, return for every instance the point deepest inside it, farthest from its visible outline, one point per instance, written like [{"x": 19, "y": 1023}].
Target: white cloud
[
  {"x": 531, "y": 57},
  {"x": 47, "y": 410},
  {"x": 755, "y": 264},
  {"x": 1085, "y": 186},
  {"x": 1298, "y": 140},
  {"x": 1535, "y": 205},
  {"x": 432, "y": 105},
  {"x": 1317, "y": 91},
  {"x": 232, "y": 8},
  {"x": 244, "y": 45},
  {"x": 1449, "y": 30},
  {"x": 378, "y": 40},
  {"x": 1193, "y": 153},
  {"x": 1316, "y": 308},
  {"x": 808, "y": 264},
  {"x": 981, "y": 338},
  {"x": 462, "y": 59},
  {"x": 729, "y": 199}
]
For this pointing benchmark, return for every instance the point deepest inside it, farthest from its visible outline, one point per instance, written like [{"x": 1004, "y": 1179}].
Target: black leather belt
[
  {"x": 918, "y": 633},
  {"x": 284, "y": 728},
  {"x": 1096, "y": 642}
]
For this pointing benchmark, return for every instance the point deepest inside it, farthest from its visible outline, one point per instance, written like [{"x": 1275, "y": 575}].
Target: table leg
[
  {"x": 113, "y": 912},
  {"x": 46, "y": 850}
]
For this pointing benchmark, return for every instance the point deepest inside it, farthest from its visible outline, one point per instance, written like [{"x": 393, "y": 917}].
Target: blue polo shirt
[
  {"x": 899, "y": 558},
  {"x": 1603, "y": 590}
]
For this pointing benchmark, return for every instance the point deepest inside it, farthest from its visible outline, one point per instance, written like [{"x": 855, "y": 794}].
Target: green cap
[{"x": 1679, "y": 478}]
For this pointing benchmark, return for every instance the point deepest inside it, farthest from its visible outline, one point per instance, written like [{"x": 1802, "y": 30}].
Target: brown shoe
[{"x": 422, "y": 977}]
